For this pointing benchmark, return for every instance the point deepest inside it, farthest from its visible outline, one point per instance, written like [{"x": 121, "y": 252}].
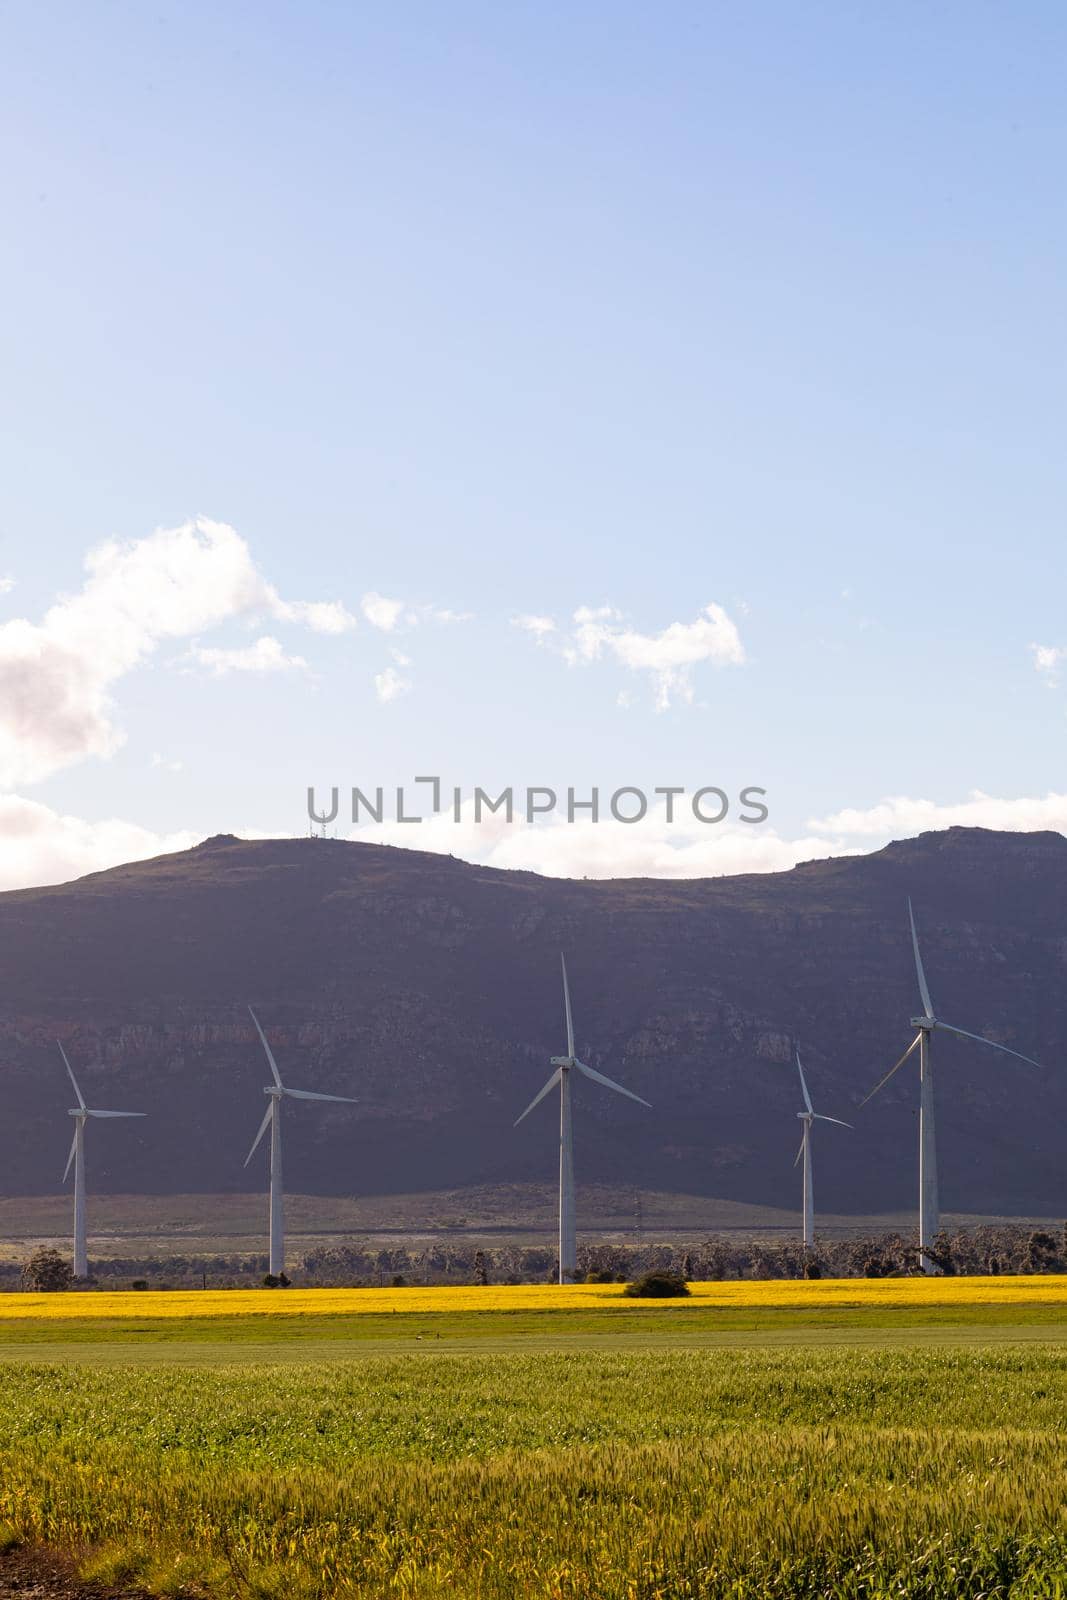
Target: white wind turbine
[
  {"x": 807, "y": 1117},
  {"x": 81, "y": 1114},
  {"x": 568, "y": 1244},
  {"x": 927, "y": 1025},
  {"x": 273, "y": 1119}
]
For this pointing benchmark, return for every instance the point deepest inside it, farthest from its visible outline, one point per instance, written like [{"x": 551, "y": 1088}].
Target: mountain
[{"x": 430, "y": 988}]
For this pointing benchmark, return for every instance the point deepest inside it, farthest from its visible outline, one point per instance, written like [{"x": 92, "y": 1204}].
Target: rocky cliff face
[{"x": 430, "y": 989}]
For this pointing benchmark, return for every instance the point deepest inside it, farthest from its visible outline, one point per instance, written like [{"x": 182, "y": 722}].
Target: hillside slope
[{"x": 430, "y": 989}]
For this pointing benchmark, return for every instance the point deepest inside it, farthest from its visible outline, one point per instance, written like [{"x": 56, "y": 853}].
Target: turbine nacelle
[
  {"x": 564, "y": 1064},
  {"x": 277, "y": 1091}
]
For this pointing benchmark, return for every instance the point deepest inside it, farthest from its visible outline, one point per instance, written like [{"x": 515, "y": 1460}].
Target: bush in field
[
  {"x": 657, "y": 1286},
  {"x": 47, "y": 1270}
]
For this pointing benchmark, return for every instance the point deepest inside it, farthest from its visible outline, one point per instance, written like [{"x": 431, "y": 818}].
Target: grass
[{"x": 593, "y": 1475}]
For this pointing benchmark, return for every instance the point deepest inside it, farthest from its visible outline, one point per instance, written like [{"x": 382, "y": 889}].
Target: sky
[{"x": 530, "y": 395}]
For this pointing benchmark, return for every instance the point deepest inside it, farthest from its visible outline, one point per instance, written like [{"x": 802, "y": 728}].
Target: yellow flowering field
[{"x": 785, "y": 1294}]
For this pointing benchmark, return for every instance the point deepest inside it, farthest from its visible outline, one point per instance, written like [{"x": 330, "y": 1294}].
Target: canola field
[
  {"x": 781, "y": 1294},
  {"x": 921, "y": 1474}
]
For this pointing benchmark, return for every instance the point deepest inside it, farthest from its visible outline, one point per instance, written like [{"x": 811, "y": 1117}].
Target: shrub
[{"x": 657, "y": 1286}]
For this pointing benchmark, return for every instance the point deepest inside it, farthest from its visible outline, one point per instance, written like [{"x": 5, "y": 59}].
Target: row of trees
[
  {"x": 1007, "y": 1248},
  {"x": 979, "y": 1251}
]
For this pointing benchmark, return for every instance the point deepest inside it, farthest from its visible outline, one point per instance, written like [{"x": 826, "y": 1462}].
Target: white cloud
[
  {"x": 668, "y": 656},
  {"x": 39, "y": 845},
  {"x": 685, "y": 848},
  {"x": 388, "y": 615},
  {"x": 57, "y": 675},
  {"x": 381, "y": 612},
  {"x": 540, "y": 627},
  {"x": 444, "y": 615},
  {"x": 167, "y": 766},
  {"x": 390, "y": 685},
  {"x": 1047, "y": 659},
  {"x": 266, "y": 655},
  {"x": 651, "y": 848},
  {"x": 900, "y": 817},
  {"x": 6, "y": 585},
  {"x": 321, "y": 616}
]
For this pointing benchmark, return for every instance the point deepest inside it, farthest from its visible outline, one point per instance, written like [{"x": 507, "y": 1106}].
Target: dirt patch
[{"x": 32, "y": 1573}]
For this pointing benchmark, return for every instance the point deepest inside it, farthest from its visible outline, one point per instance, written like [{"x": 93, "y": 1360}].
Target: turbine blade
[
  {"x": 883, "y": 1081},
  {"x": 116, "y": 1113},
  {"x": 804, "y": 1087},
  {"x": 70, "y": 1158},
  {"x": 923, "y": 990},
  {"x": 73, "y": 1079},
  {"x": 307, "y": 1094},
  {"x": 609, "y": 1083},
  {"x": 264, "y": 1125},
  {"x": 551, "y": 1084},
  {"x": 267, "y": 1048},
  {"x": 800, "y": 1152},
  {"x": 945, "y": 1027},
  {"x": 567, "y": 1007},
  {"x": 820, "y": 1118}
]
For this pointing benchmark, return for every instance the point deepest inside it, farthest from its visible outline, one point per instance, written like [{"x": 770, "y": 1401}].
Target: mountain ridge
[{"x": 429, "y": 987}]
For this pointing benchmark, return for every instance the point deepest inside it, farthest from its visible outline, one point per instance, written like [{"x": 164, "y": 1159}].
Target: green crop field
[{"x": 632, "y": 1463}]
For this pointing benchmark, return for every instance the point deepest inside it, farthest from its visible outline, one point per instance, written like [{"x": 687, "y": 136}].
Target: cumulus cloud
[
  {"x": 902, "y": 817},
  {"x": 669, "y": 656},
  {"x": 1047, "y": 659},
  {"x": 39, "y": 845},
  {"x": 381, "y": 612},
  {"x": 602, "y": 632},
  {"x": 57, "y": 675},
  {"x": 321, "y": 616},
  {"x": 540, "y": 627},
  {"x": 686, "y": 848},
  {"x": 266, "y": 655},
  {"x": 445, "y": 615},
  {"x": 389, "y": 615},
  {"x": 390, "y": 685},
  {"x": 653, "y": 847}
]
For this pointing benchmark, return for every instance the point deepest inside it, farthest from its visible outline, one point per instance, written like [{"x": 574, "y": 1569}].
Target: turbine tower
[
  {"x": 277, "y": 1092},
  {"x": 807, "y": 1117},
  {"x": 81, "y": 1114},
  {"x": 568, "y": 1244},
  {"x": 927, "y": 1025}
]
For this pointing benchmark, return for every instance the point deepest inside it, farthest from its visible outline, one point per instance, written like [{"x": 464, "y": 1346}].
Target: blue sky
[{"x": 506, "y": 312}]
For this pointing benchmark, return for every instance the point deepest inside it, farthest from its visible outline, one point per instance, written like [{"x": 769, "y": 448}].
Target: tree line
[{"x": 984, "y": 1251}]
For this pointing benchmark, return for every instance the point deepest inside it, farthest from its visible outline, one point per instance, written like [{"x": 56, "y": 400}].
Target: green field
[
  {"x": 282, "y": 1338},
  {"x": 863, "y": 1454}
]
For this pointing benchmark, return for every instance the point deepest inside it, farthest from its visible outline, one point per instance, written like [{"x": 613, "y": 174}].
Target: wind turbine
[
  {"x": 807, "y": 1117},
  {"x": 927, "y": 1025},
  {"x": 568, "y": 1244},
  {"x": 273, "y": 1119},
  {"x": 81, "y": 1114}
]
